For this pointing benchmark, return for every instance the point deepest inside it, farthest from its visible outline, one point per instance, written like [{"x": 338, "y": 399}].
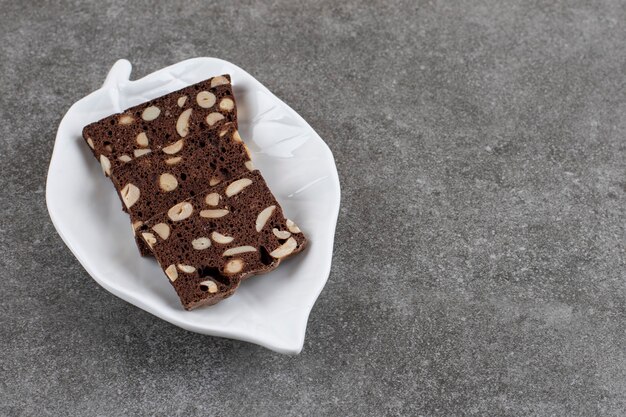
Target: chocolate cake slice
[
  {"x": 154, "y": 183},
  {"x": 207, "y": 244},
  {"x": 140, "y": 130}
]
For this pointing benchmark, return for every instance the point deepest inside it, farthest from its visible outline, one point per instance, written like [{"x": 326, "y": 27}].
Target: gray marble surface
[{"x": 479, "y": 265}]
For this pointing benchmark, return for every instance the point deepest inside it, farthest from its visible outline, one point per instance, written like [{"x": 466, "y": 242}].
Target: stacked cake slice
[
  {"x": 209, "y": 243},
  {"x": 195, "y": 201}
]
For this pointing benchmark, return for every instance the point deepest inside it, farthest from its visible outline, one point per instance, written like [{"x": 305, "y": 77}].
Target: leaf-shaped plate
[{"x": 270, "y": 310}]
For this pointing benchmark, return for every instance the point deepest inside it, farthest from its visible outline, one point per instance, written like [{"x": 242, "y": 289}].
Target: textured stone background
[{"x": 479, "y": 264}]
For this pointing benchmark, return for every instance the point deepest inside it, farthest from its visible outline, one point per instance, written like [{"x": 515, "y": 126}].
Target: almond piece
[
  {"x": 188, "y": 269},
  {"x": 293, "y": 228},
  {"x": 284, "y": 249},
  {"x": 106, "y": 165},
  {"x": 150, "y": 113},
  {"x": 263, "y": 217},
  {"x": 237, "y": 186},
  {"x": 212, "y": 199},
  {"x": 182, "y": 124},
  {"x": 214, "y": 181},
  {"x": 125, "y": 158},
  {"x": 213, "y": 214},
  {"x": 174, "y": 147},
  {"x": 220, "y": 80},
  {"x": 205, "y": 99},
  {"x": 149, "y": 238},
  {"x": 130, "y": 194},
  {"x": 125, "y": 119},
  {"x": 174, "y": 160},
  {"x": 233, "y": 266},
  {"x": 211, "y": 286},
  {"x": 162, "y": 229},
  {"x": 213, "y": 118},
  {"x": 181, "y": 101},
  {"x": 180, "y": 211},
  {"x": 220, "y": 238},
  {"x": 140, "y": 152},
  {"x": 237, "y": 137},
  {"x": 201, "y": 243},
  {"x": 249, "y": 165},
  {"x": 137, "y": 225},
  {"x": 238, "y": 249},
  {"x": 171, "y": 272},
  {"x": 108, "y": 148},
  {"x": 247, "y": 150},
  {"x": 90, "y": 142},
  {"x": 227, "y": 104},
  {"x": 168, "y": 182},
  {"x": 281, "y": 234},
  {"x": 142, "y": 139}
]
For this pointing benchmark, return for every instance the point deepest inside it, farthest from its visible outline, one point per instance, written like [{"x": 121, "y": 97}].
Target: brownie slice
[
  {"x": 207, "y": 244},
  {"x": 154, "y": 183},
  {"x": 139, "y": 130}
]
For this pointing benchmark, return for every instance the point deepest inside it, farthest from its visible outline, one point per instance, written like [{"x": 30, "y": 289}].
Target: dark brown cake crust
[
  {"x": 139, "y": 130},
  {"x": 209, "y": 243}
]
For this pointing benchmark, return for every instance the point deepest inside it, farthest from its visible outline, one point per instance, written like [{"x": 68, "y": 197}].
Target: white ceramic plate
[{"x": 270, "y": 310}]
